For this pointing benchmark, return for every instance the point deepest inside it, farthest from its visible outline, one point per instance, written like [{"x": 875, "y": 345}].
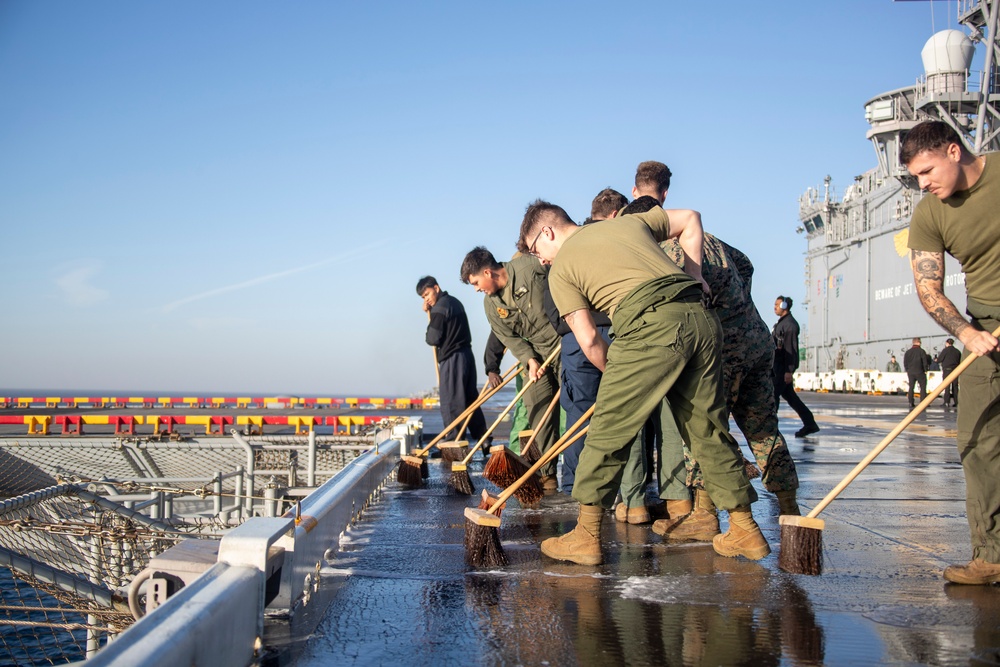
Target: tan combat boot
[
  {"x": 679, "y": 508},
  {"x": 743, "y": 537},
  {"x": 633, "y": 515},
  {"x": 977, "y": 573},
  {"x": 787, "y": 505},
  {"x": 701, "y": 525},
  {"x": 550, "y": 484},
  {"x": 582, "y": 544},
  {"x": 669, "y": 509}
]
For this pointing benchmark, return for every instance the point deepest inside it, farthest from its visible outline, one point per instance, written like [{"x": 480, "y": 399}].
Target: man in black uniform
[
  {"x": 448, "y": 331},
  {"x": 950, "y": 358},
  {"x": 786, "y": 360},
  {"x": 916, "y": 362}
]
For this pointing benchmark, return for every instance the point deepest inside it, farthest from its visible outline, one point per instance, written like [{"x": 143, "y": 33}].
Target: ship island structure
[{"x": 860, "y": 298}]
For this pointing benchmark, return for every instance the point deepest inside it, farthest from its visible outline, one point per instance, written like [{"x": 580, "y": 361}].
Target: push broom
[
  {"x": 459, "y": 479},
  {"x": 802, "y": 536},
  {"x": 504, "y": 466},
  {"x": 482, "y": 535},
  {"x": 411, "y": 468}
]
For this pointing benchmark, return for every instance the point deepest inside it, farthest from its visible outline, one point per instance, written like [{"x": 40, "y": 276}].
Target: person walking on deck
[
  {"x": 786, "y": 361},
  {"x": 949, "y": 358},
  {"x": 917, "y": 363}
]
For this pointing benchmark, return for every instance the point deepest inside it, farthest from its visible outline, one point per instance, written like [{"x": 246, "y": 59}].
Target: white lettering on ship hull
[{"x": 883, "y": 293}]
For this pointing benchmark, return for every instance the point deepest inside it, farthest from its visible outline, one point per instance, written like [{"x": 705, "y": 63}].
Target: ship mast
[{"x": 986, "y": 107}]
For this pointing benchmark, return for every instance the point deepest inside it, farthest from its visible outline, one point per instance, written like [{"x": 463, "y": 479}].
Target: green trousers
[
  {"x": 635, "y": 473},
  {"x": 666, "y": 345},
  {"x": 518, "y": 419},
  {"x": 979, "y": 448}
]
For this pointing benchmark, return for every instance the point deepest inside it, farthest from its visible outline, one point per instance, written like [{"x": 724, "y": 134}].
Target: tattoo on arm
[{"x": 928, "y": 274}]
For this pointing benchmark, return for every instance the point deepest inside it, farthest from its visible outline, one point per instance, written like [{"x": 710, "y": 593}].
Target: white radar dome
[{"x": 947, "y": 51}]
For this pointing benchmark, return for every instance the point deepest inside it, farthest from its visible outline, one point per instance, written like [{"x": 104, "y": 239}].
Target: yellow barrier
[{"x": 38, "y": 425}]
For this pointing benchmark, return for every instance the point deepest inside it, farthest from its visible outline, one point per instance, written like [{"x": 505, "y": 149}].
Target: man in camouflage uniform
[
  {"x": 516, "y": 313},
  {"x": 748, "y": 386}
]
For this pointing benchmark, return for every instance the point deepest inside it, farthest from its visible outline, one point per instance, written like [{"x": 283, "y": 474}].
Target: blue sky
[{"x": 240, "y": 196}]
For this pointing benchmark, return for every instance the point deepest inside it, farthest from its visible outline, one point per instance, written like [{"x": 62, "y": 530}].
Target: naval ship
[{"x": 860, "y": 298}]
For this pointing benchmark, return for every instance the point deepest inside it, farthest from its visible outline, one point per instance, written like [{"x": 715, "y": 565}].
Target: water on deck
[{"x": 402, "y": 593}]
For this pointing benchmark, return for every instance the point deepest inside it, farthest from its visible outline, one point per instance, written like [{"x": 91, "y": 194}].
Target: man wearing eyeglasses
[
  {"x": 667, "y": 344},
  {"x": 514, "y": 307}
]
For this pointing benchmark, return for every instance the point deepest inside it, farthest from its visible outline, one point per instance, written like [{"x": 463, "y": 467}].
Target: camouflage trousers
[{"x": 748, "y": 385}]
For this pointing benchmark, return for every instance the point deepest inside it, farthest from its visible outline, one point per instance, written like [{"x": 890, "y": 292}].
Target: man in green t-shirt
[
  {"x": 962, "y": 219},
  {"x": 667, "y": 344}
]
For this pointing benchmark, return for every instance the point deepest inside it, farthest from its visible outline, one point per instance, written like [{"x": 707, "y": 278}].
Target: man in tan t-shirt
[
  {"x": 962, "y": 219},
  {"x": 666, "y": 344}
]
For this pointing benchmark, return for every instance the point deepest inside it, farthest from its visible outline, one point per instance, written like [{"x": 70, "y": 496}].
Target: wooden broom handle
[
  {"x": 541, "y": 422},
  {"x": 914, "y": 413},
  {"x": 510, "y": 406},
  {"x": 567, "y": 439},
  {"x": 507, "y": 377}
]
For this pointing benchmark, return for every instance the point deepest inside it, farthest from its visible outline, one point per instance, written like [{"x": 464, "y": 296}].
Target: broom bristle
[
  {"x": 801, "y": 545},
  {"x": 532, "y": 454},
  {"x": 454, "y": 450},
  {"x": 529, "y": 493},
  {"x": 408, "y": 473},
  {"x": 504, "y": 467},
  {"x": 460, "y": 480},
  {"x": 522, "y": 441},
  {"x": 753, "y": 472},
  {"x": 483, "y": 548},
  {"x": 425, "y": 470}
]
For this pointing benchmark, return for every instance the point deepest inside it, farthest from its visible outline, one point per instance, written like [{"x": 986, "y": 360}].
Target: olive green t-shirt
[
  {"x": 966, "y": 225},
  {"x": 602, "y": 262}
]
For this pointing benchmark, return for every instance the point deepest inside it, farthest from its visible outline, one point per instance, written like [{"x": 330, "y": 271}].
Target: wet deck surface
[{"x": 402, "y": 593}]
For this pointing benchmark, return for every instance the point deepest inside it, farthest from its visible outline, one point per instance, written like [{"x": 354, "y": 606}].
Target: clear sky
[{"x": 229, "y": 197}]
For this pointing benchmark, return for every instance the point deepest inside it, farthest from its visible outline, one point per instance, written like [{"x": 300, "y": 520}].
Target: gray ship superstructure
[{"x": 860, "y": 297}]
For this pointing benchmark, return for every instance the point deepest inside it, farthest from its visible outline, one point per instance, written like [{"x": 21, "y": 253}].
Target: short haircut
[
  {"x": 539, "y": 213},
  {"x": 641, "y": 205},
  {"x": 916, "y": 341},
  {"x": 476, "y": 261},
  {"x": 607, "y": 202},
  {"x": 652, "y": 175},
  {"x": 931, "y": 135},
  {"x": 787, "y": 300},
  {"x": 424, "y": 283},
  {"x": 950, "y": 341}
]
